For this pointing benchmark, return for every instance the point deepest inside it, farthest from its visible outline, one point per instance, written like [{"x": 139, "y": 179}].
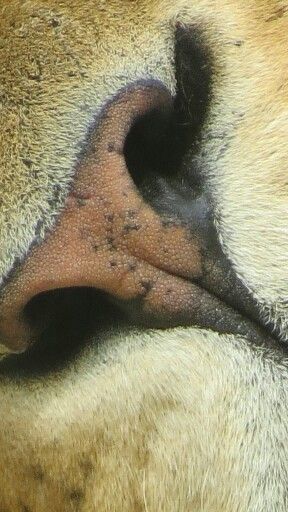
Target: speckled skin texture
[
  {"x": 107, "y": 236},
  {"x": 183, "y": 419}
]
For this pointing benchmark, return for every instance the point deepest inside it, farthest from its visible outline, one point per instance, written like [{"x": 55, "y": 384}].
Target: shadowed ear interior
[{"x": 159, "y": 140}]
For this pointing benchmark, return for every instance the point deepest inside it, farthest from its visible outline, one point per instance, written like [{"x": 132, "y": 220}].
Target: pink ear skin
[{"x": 107, "y": 237}]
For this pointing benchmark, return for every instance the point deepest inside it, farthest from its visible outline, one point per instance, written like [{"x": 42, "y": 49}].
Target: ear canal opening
[
  {"x": 67, "y": 319},
  {"x": 158, "y": 143},
  {"x": 154, "y": 148}
]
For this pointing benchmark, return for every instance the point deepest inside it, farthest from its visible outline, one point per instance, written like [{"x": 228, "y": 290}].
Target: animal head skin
[
  {"x": 63, "y": 61},
  {"x": 152, "y": 420}
]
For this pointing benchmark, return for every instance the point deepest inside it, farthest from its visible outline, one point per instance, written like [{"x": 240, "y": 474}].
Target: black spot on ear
[
  {"x": 37, "y": 473},
  {"x": 81, "y": 202},
  {"x": 27, "y": 162},
  {"x": 76, "y": 495},
  {"x": 193, "y": 70},
  {"x": 109, "y": 217},
  {"x": 86, "y": 467},
  {"x": 25, "y": 508},
  {"x": 130, "y": 227},
  {"x": 111, "y": 147},
  {"x": 167, "y": 223},
  {"x": 111, "y": 243},
  {"x": 55, "y": 22},
  {"x": 147, "y": 286},
  {"x": 132, "y": 267}
]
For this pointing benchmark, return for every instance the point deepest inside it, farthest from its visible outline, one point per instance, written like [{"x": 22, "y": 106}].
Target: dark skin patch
[
  {"x": 138, "y": 505},
  {"x": 279, "y": 13},
  {"x": 37, "y": 473},
  {"x": 147, "y": 286},
  {"x": 55, "y": 22},
  {"x": 111, "y": 147},
  {"x": 76, "y": 495},
  {"x": 132, "y": 267},
  {"x": 84, "y": 233},
  {"x": 25, "y": 508},
  {"x": 127, "y": 228},
  {"x": 86, "y": 467},
  {"x": 168, "y": 223},
  {"x": 111, "y": 243},
  {"x": 81, "y": 202},
  {"x": 131, "y": 214},
  {"x": 109, "y": 217},
  {"x": 238, "y": 42},
  {"x": 27, "y": 162},
  {"x": 38, "y": 75},
  {"x": 38, "y": 228}
]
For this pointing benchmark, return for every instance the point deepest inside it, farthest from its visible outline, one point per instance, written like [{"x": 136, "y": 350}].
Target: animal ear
[{"x": 139, "y": 250}]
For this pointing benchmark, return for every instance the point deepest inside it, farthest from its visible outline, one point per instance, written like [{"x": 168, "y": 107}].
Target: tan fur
[{"x": 183, "y": 420}]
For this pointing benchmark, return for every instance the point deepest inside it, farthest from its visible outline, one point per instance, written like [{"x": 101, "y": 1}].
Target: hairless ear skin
[{"x": 107, "y": 237}]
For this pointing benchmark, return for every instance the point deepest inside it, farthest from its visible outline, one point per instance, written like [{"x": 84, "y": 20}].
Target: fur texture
[{"x": 183, "y": 420}]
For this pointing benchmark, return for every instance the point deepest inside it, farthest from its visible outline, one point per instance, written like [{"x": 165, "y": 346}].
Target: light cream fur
[
  {"x": 178, "y": 421},
  {"x": 183, "y": 420}
]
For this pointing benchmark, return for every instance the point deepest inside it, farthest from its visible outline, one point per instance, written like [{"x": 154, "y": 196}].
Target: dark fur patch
[
  {"x": 25, "y": 508},
  {"x": 76, "y": 495},
  {"x": 278, "y": 13},
  {"x": 86, "y": 467},
  {"x": 37, "y": 473},
  {"x": 159, "y": 141}
]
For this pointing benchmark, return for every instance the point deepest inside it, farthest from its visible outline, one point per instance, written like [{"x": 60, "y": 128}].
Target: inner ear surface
[{"x": 158, "y": 142}]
